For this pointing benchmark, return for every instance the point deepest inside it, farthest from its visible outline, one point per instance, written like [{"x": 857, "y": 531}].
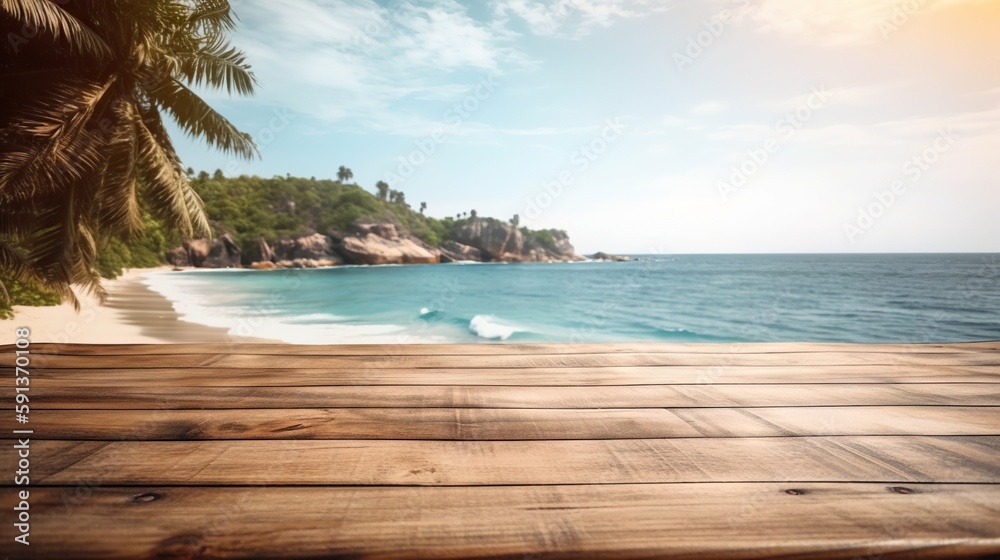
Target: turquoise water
[{"x": 684, "y": 298}]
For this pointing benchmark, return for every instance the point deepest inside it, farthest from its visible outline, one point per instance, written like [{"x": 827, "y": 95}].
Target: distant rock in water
[{"x": 601, "y": 256}]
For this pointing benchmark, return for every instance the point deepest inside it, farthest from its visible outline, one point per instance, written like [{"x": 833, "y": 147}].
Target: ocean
[{"x": 908, "y": 298}]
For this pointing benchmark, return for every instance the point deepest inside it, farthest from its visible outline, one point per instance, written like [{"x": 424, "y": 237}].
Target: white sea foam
[
  {"x": 310, "y": 318},
  {"x": 192, "y": 300},
  {"x": 487, "y": 326},
  {"x": 424, "y": 311}
]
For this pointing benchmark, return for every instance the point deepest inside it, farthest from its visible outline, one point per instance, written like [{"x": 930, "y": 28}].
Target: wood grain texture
[
  {"x": 513, "y": 361},
  {"x": 478, "y": 396},
  {"x": 555, "y": 377},
  {"x": 511, "y": 451},
  {"x": 733, "y": 520},
  {"x": 514, "y": 424},
  {"x": 486, "y": 463}
]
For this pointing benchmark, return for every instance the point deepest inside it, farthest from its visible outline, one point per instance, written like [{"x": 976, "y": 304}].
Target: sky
[{"x": 641, "y": 126}]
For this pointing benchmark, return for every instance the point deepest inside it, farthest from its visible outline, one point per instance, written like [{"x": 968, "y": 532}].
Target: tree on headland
[
  {"x": 515, "y": 220},
  {"x": 203, "y": 176},
  {"x": 218, "y": 175},
  {"x": 423, "y": 206},
  {"x": 382, "y": 188},
  {"x": 472, "y": 214},
  {"x": 344, "y": 174},
  {"x": 189, "y": 172},
  {"x": 82, "y": 123}
]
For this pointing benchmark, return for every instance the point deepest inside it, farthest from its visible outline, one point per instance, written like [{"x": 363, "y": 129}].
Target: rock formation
[
  {"x": 497, "y": 240},
  {"x": 501, "y": 241},
  {"x": 453, "y": 251},
  {"x": 223, "y": 252},
  {"x": 382, "y": 244},
  {"x": 602, "y": 256},
  {"x": 316, "y": 246},
  {"x": 477, "y": 239}
]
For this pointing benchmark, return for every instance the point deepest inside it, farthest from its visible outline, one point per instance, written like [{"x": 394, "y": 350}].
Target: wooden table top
[{"x": 508, "y": 451}]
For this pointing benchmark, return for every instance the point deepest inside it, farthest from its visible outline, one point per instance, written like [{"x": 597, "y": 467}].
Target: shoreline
[{"x": 133, "y": 314}]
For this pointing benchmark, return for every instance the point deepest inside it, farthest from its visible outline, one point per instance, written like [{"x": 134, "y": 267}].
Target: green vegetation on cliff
[
  {"x": 250, "y": 208},
  {"x": 283, "y": 207}
]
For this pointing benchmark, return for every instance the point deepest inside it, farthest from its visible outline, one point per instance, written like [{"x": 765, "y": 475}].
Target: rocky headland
[{"x": 475, "y": 240}]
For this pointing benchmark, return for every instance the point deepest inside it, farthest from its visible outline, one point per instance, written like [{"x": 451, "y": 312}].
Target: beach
[
  {"x": 727, "y": 299},
  {"x": 132, "y": 314}
]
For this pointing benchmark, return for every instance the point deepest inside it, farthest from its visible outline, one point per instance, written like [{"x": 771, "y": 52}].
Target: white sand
[{"x": 133, "y": 314}]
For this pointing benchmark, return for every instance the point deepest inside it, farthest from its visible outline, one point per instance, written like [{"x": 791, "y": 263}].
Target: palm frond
[
  {"x": 57, "y": 22},
  {"x": 51, "y": 145},
  {"x": 168, "y": 190},
  {"x": 213, "y": 17},
  {"x": 14, "y": 266},
  {"x": 118, "y": 211},
  {"x": 217, "y": 65},
  {"x": 198, "y": 119}
]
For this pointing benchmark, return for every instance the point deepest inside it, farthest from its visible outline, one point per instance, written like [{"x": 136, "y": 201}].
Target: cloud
[
  {"x": 356, "y": 61},
  {"x": 573, "y": 18}
]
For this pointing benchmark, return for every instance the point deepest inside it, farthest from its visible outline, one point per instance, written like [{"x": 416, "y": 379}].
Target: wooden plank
[
  {"x": 616, "y": 376},
  {"x": 492, "y": 349},
  {"x": 439, "y": 396},
  {"x": 609, "y": 521},
  {"x": 900, "y": 459},
  {"x": 506, "y": 361},
  {"x": 513, "y": 424}
]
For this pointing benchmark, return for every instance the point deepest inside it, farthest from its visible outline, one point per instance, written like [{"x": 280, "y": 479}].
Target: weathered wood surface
[
  {"x": 515, "y": 361},
  {"x": 556, "y": 377},
  {"x": 515, "y": 424},
  {"x": 952, "y": 459},
  {"x": 480, "y": 396},
  {"x": 515, "y": 451},
  {"x": 727, "y": 520}
]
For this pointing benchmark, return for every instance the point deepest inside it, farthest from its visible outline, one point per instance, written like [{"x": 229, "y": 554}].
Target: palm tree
[
  {"x": 472, "y": 214},
  {"x": 344, "y": 174},
  {"x": 383, "y": 190},
  {"x": 82, "y": 124},
  {"x": 423, "y": 206}
]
